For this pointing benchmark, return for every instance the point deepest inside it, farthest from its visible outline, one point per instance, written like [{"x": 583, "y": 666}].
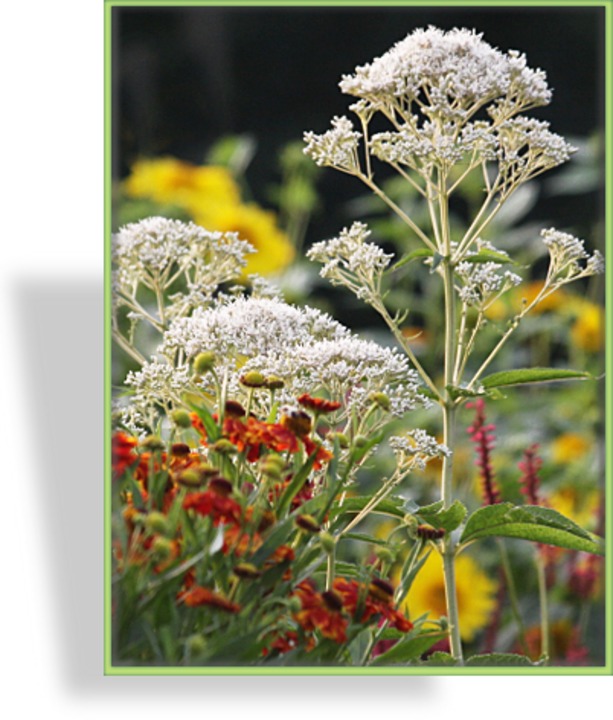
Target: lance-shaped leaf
[
  {"x": 443, "y": 518},
  {"x": 484, "y": 256},
  {"x": 410, "y": 648},
  {"x": 500, "y": 660},
  {"x": 530, "y": 522},
  {"x": 531, "y": 375}
]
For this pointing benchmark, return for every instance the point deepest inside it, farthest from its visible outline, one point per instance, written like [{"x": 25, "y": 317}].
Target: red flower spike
[
  {"x": 483, "y": 437},
  {"x": 529, "y": 480}
]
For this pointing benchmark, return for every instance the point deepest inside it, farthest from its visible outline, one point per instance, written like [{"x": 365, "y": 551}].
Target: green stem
[
  {"x": 544, "y": 608},
  {"x": 512, "y": 590}
]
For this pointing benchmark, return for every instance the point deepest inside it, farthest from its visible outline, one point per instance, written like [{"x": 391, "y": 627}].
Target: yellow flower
[
  {"x": 211, "y": 196},
  {"x": 195, "y": 188},
  {"x": 257, "y": 226},
  {"x": 476, "y": 594},
  {"x": 579, "y": 506},
  {"x": 569, "y": 446},
  {"x": 587, "y": 332}
]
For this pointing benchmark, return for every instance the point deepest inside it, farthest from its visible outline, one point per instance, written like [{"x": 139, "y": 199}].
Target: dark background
[{"x": 184, "y": 76}]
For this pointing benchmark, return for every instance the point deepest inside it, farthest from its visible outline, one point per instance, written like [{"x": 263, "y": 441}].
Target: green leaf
[
  {"x": 455, "y": 392},
  {"x": 410, "y": 648},
  {"x": 388, "y": 506},
  {"x": 448, "y": 519},
  {"x": 499, "y": 660},
  {"x": 530, "y": 375},
  {"x": 212, "y": 430},
  {"x": 484, "y": 256},
  {"x": 440, "y": 658},
  {"x": 530, "y": 522},
  {"x": 295, "y": 485},
  {"x": 414, "y": 255}
]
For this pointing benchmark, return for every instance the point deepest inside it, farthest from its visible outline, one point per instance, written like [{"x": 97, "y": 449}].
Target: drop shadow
[{"x": 62, "y": 350}]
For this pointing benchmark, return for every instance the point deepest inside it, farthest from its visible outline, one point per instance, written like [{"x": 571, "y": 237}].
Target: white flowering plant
[{"x": 257, "y": 444}]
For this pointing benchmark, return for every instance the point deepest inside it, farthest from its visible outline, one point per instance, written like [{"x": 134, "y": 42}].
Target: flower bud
[
  {"x": 343, "y": 440},
  {"x": 253, "y": 379},
  {"x": 381, "y": 399},
  {"x": 224, "y": 447},
  {"x": 181, "y": 419},
  {"x": 360, "y": 441},
  {"x": 274, "y": 383},
  {"x": 204, "y": 362},
  {"x": 157, "y": 522},
  {"x": 220, "y": 486},
  {"x": 385, "y": 555},
  {"x": 332, "y": 600},
  {"x": 153, "y": 443},
  {"x": 294, "y": 605},
  {"x": 234, "y": 409},
  {"x": 196, "y": 644},
  {"x": 162, "y": 547},
  {"x": 308, "y": 523},
  {"x": 428, "y": 532},
  {"x": 180, "y": 449},
  {"x": 247, "y": 571},
  {"x": 381, "y": 589},
  {"x": 327, "y": 542},
  {"x": 190, "y": 478}
]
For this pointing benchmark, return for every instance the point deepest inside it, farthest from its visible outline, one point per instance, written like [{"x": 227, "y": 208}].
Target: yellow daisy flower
[
  {"x": 476, "y": 594},
  {"x": 570, "y": 446},
  {"x": 195, "y": 188},
  {"x": 274, "y": 249},
  {"x": 587, "y": 332}
]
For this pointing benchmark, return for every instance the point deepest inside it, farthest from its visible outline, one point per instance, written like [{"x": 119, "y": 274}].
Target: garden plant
[{"x": 273, "y": 472}]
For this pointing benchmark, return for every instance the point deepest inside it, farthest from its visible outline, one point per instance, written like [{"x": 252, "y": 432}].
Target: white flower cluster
[
  {"x": 157, "y": 249},
  {"x": 348, "y": 258},
  {"x": 483, "y": 281},
  {"x": 417, "y": 446},
  {"x": 337, "y": 147},
  {"x": 247, "y": 327},
  {"x": 305, "y": 348},
  {"x": 430, "y": 87},
  {"x": 451, "y": 73},
  {"x": 565, "y": 252}
]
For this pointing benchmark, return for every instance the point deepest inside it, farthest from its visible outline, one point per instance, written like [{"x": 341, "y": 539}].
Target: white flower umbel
[
  {"x": 565, "y": 253},
  {"x": 337, "y": 147},
  {"x": 351, "y": 261},
  {"x": 417, "y": 445}
]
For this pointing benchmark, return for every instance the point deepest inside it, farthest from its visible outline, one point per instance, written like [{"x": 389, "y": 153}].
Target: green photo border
[{"x": 109, "y": 668}]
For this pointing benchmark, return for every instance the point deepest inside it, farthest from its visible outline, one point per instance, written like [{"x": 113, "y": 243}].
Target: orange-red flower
[
  {"x": 221, "y": 508},
  {"x": 321, "y": 611},
  {"x": 376, "y": 599},
  {"x": 197, "y": 596},
  {"x": 123, "y": 455},
  {"x": 318, "y": 405}
]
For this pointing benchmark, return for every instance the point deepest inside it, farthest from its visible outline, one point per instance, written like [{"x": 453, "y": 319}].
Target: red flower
[
  {"x": 483, "y": 437},
  {"x": 318, "y": 405},
  {"x": 221, "y": 508},
  {"x": 377, "y": 600},
  {"x": 321, "y": 611},
  {"x": 123, "y": 455},
  {"x": 197, "y": 596}
]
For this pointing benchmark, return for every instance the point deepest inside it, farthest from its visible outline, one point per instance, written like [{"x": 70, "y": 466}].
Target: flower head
[{"x": 475, "y": 590}]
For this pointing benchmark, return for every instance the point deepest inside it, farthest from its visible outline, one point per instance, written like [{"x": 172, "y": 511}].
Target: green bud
[
  {"x": 204, "y": 362},
  {"x": 223, "y": 447},
  {"x": 294, "y": 605},
  {"x": 181, "y": 418},
  {"x": 253, "y": 379},
  {"x": 157, "y": 522},
  {"x": 161, "y": 547},
  {"x": 196, "y": 644},
  {"x": 153, "y": 443},
  {"x": 385, "y": 555},
  {"x": 343, "y": 440},
  {"x": 327, "y": 542},
  {"x": 308, "y": 523},
  {"x": 274, "y": 383},
  {"x": 382, "y": 400},
  {"x": 191, "y": 478},
  {"x": 360, "y": 441}
]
